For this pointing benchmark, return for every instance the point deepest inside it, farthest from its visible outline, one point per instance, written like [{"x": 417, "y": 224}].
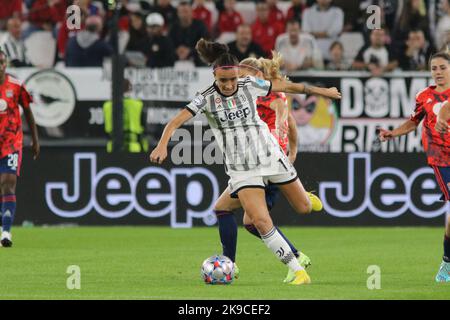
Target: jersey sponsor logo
[
  {"x": 54, "y": 97},
  {"x": 154, "y": 192},
  {"x": 3, "y": 105},
  {"x": 235, "y": 115},
  {"x": 386, "y": 192}
]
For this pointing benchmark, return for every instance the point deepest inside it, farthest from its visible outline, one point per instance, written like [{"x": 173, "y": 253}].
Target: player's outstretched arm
[
  {"x": 442, "y": 119},
  {"x": 292, "y": 87},
  {"x": 34, "y": 134},
  {"x": 159, "y": 154},
  {"x": 292, "y": 136},
  {"x": 405, "y": 128}
]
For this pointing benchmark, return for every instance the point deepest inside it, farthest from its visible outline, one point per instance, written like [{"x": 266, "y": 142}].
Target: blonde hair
[
  {"x": 272, "y": 67},
  {"x": 269, "y": 67}
]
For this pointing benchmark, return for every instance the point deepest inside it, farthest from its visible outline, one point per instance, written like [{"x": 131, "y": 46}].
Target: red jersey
[
  {"x": 12, "y": 94},
  {"x": 436, "y": 145},
  {"x": 203, "y": 14},
  {"x": 265, "y": 34},
  {"x": 229, "y": 21},
  {"x": 269, "y": 116}
]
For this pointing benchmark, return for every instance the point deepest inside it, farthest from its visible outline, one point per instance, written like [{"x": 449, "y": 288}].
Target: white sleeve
[
  {"x": 197, "y": 104},
  {"x": 258, "y": 87}
]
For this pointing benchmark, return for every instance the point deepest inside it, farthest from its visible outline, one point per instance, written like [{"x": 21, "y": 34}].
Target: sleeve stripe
[
  {"x": 190, "y": 110},
  {"x": 270, "y": 89}
]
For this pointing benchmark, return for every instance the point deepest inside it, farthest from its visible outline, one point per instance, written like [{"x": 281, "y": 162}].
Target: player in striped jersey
[
  {"x": 252, "y": 155},
  {"x": 272, "y": 109}
]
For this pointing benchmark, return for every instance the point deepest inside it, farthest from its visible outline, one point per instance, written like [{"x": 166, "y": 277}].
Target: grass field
[{"x": 164, "y": 263}]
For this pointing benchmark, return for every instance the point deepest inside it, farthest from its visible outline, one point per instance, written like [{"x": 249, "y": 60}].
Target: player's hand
[
  {"x": 441, "y": 126},
  {"x": 36, "y": 149},
  {"x": 158, "y": 155},
  {"x": 282, "y": 128},
  {"x": 385, "y": 135},
  {"x": 333, "y": 93}
]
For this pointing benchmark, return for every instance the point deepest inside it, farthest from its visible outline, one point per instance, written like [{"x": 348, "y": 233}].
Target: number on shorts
[{"x": 13, "y": 161}]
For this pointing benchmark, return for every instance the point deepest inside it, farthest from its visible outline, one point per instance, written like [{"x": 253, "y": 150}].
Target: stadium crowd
[{"x": 310, "y": 34}]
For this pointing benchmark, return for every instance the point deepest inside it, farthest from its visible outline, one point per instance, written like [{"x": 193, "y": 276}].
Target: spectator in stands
[
  {"x": 46, "y": 15},
  {"x": 325, "y": 22},
  {"x": 244, "y": 47},
  {"x": 8, "y": 9},
  {"x": 337, "y": 61},
  {"x": 186, "y": 32},
  {"x": 375, "y": 57},
  {"x": 415, "y": 54},
  {"x": 200, "y": 12},
  {"x": 87, "y": 49},
  {"x": 160, "y": 50},
  {"x": 229, "y": 19},
  {"x": 295, "y": 11},
  {"x": 138, "y": 33},
  {"x": 299, "y": 50},
  {"x": 265, "y": 31},
  {"x": 412, "y": 17},
  {"x": 353, "y": 20},
  {"x": 275, "y": 14},
  {"x": 443, "y": 26},
  {"x": 13, "y": 45},
  {"x": 169, "y": 12}
]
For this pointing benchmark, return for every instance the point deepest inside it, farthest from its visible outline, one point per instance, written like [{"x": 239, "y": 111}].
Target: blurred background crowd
[{"x": 310, "y": 34}]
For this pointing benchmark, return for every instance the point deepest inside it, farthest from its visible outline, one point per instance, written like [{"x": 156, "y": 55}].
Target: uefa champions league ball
[{"x": 217, "y": 269}]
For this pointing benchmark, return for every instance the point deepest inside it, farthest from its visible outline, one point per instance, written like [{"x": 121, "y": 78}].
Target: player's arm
[
  {"x": 159, "y": 154},
  {"x": 405, "y": 128},
  {"x": 292, "y": 87},
  {"x": 443, "y": 118},
  {"x": 281, "y": 112},
  {"x": 34, "y": 133},
  {"x": 292, "y": 136}
]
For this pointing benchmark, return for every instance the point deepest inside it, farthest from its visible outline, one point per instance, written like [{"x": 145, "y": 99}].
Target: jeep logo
[{"x": 231, "y": 116}]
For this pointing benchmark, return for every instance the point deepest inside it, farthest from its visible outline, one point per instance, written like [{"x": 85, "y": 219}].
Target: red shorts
[{"x": 443, "y": 179}]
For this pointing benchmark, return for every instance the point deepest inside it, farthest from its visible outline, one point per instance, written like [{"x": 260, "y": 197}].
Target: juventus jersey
[{"x": 244, "y": 139}]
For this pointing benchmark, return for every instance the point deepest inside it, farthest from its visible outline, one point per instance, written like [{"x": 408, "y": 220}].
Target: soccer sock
[
  {"x": 275, "y": 242},
  {"x": 252, "y": 229},
  {"x": 446, "y": 257},
  {"x": 8, "y": 211},
  {"x": 228, "y": 232}
]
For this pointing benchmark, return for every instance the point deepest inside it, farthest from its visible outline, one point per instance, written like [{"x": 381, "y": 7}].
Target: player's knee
[
  {"x": 8, "y": 188},
  {"x": 304, "y": 207}
]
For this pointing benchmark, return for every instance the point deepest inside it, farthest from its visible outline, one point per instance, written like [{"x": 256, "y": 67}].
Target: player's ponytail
[
  {"x": 215, "y": 54},
  {"x": 272, "y": 67}
]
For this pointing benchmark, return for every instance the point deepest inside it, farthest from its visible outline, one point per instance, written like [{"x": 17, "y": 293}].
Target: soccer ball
[{"x": 217, "y": 269}]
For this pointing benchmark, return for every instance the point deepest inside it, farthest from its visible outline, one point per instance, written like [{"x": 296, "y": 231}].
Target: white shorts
[{"x": 254, "y": 179}]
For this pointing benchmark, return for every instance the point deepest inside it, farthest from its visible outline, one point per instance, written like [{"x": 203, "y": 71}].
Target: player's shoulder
[
  {"x": 425, "y": 93},
  {"x": 206, "y": 91},
  {"x": 250, "y": 80},
  {"x": 14, "y": 81}
]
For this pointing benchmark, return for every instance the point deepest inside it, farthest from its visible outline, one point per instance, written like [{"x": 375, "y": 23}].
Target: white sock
[{"x": 275, "y": 242}]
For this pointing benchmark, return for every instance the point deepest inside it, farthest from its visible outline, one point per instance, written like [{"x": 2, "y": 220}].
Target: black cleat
[{"x": 6, "y": 243}]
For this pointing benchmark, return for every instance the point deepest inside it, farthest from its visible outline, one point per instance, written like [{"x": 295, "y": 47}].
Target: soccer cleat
[
  {"x": 6, "y": 239},
  {"x": 301, "y": 277},
  {"x": 236, "y": 271},
  {"x": 304, "y": 261},
  {"x": 315, "y": 202},
  {"x": 444, "y": 272}
]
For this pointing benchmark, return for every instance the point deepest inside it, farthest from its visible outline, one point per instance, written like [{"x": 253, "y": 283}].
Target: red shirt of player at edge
[
  {"x": 269, "y": 116},
  {"x": 12, "y": 94},
  {"x": 436, "y": 145}
]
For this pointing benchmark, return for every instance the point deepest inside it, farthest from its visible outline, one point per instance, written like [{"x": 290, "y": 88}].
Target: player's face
[
  {"x": 226, "y": 80},
  {"x": 440, "y": 71}
]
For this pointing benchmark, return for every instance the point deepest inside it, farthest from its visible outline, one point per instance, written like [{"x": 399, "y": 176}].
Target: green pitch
[{"x": 164, "y": 263}]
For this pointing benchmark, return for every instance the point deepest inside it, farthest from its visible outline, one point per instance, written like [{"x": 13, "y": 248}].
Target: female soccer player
[
  {"x": 252, "y": 155},
  {"x": 436, "y": 143},
  {"x": 273, "y": 111},
  {"x": 12, "y": 94}
]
